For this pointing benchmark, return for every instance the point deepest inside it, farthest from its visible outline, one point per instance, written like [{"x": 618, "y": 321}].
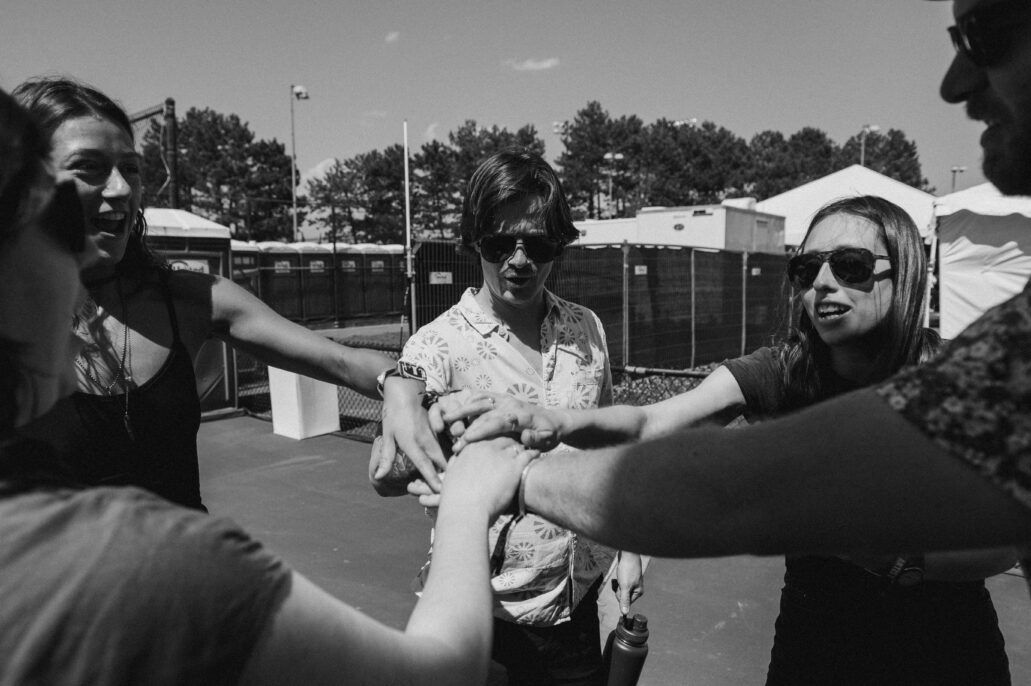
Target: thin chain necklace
[{"x": 122, "y": 373}]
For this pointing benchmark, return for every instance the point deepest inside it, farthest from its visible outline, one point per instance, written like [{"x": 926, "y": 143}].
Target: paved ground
[{"x": 711, "y": 620}]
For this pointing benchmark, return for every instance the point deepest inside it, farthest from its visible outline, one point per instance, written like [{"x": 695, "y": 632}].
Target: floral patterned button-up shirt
[
  {"x": 547, "y": 569},
  {"x": 974, "y": 399}
]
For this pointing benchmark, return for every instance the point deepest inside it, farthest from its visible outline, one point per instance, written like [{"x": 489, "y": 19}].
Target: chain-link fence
[
  {"x": 670, "y": 314},
  {"x": 669, "y": 307},
  {"x": 359, "y": 415}
]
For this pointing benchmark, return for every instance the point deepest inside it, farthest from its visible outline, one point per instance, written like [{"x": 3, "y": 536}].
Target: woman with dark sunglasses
[
  {"x": 859, "y": 281},
  {"x": 135, "y": 417},
  {"x": 108, "y": 586}
]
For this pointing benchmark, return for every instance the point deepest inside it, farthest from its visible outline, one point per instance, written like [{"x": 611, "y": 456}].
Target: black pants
[
  {"x": 566, "y": 654},
  {"x": 935, "y": 633}
]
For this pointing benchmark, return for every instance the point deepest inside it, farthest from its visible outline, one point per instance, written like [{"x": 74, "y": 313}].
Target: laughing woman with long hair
[{"x": 135, "y": 416}]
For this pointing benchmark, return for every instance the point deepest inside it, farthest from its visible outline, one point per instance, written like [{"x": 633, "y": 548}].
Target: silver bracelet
[{"x": 522, "y": 486}]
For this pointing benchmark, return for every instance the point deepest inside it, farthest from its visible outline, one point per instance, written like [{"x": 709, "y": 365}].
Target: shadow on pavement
[{"x": 711, "y": 621}]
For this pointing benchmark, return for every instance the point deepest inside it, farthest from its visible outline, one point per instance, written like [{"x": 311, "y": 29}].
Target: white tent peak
[{"x": 798, "y": 205}]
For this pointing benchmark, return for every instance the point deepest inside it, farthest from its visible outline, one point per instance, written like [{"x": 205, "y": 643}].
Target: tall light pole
[
  {"x": 612, "y": 158},
  {"x": 296, "y": 93},
  {"x": 866, "y": 131},
  {"x": 956, "y": 170}
]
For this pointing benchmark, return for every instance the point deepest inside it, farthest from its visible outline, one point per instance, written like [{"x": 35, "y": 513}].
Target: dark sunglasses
[
  {"x": 984, "y": 35},
  {"x": 852, "y": 266},
  {"x": 63, "y": 217},
  {"x": 498, "y": 247}
]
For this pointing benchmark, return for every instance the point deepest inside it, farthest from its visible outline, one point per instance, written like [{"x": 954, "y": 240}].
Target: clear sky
[{"x": 748, "y": 65}]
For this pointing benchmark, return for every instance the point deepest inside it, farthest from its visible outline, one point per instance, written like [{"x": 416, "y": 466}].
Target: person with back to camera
[
  {"x": 107, "y": 586},
  {"x": 859, "y": 281},
  {"x": 135, "y": 416},
  {"x": 937, "y": 457},
  {"x": 514, "y": 336}
]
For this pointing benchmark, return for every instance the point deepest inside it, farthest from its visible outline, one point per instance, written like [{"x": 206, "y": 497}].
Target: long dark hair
[
  {"x": 903, "y": 340},
  {"x": 51, "y": 101},
  {"x": 506, "y": 177},
  {"x": 24, "y": 185}
]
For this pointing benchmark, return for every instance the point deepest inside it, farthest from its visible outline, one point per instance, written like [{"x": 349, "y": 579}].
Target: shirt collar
[{"x": 485, "y": 324}]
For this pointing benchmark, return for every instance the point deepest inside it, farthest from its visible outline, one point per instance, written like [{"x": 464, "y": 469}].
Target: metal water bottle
[{"x": 625, "y": 650}]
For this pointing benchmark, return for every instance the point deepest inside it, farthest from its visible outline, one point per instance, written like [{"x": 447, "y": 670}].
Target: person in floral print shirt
[
  {"x": 937, "y": 457},
  {"x": 512, "y": 336},
  {"x": 857, "y": 323}
]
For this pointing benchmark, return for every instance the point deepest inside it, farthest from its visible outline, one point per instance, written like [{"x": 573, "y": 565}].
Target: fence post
[
  {"x": 692, "y": 311},
  {"x": 626, "y": 303},
  {"x": 336, "y": 287},
  {"x": 302, "y": 278},
  {"x": 410, "y": 277},
  {"x": 744, "y": 301}
]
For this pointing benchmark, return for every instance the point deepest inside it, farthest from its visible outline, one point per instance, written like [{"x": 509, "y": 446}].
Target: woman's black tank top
[{"x": 89, "y": 432}]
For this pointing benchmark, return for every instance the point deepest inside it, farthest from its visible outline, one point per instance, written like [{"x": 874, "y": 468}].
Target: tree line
[{"x": 610, "y": 167}]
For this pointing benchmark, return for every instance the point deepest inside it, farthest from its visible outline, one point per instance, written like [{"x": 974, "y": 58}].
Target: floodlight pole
[
  {"x": 296, "y": 93},
  {"x": 956, "y": 170},
  {"x": 866, "y": 131},
  {"x": 172, "y": 153},
  {"x": 409, "y": 258}
]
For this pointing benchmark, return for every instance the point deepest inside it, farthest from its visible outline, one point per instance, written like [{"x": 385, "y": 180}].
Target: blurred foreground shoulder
[{"x": 127, "y": 588}]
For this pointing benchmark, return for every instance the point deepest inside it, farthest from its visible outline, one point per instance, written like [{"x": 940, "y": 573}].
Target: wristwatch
[
  {"x": 406, "y": 370},
  {"x": 906, "y": 571}
]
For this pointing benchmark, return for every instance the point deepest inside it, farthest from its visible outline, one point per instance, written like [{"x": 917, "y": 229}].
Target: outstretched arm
[
  {"x": 846, "y": 476},
  {"x": 245, "y": 322},
  {"x": 317, "y": 639},
  {"x": 217, "y": 306},
  {"x": 544, "y": 428}
]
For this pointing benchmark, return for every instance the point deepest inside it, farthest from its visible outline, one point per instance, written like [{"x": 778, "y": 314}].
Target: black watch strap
[{"x": 406, "y": 370}]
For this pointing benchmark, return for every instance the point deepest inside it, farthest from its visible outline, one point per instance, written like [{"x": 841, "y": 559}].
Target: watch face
[{"x": 382, "y": 378}]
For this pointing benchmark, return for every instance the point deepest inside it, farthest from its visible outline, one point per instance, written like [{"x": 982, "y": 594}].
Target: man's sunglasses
[
  {"x": 498, "y": 247},
  {"x": 984, "y": 35},
  {"x": 851, "y": 266}
]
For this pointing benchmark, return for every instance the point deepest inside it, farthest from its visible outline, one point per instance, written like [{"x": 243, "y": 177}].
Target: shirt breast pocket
[{"x": 585, "y": 391}]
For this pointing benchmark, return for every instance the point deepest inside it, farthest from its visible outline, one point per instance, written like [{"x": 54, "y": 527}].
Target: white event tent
[
  {"x": 798, "y": 205},
  {"x": 163, "y": 221},
  {"x": 984, "y": 252}
]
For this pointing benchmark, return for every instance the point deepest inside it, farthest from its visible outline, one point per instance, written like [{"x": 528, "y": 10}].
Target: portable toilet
[
  {"x": 378, "y": 279},
  {"x": 316, "y": 281},
  {"x": 246, "y": 270},
  {"x": 281, "y": 279},
  {"x": 350, "y": 281}
]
